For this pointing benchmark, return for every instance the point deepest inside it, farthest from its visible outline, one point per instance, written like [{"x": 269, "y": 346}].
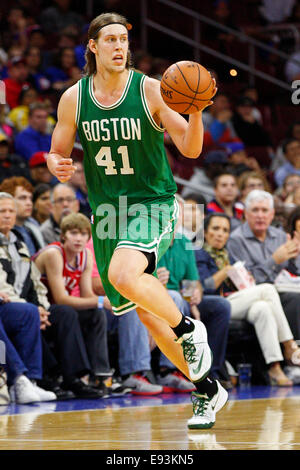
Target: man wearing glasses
[{"x": 64, "y": 202}]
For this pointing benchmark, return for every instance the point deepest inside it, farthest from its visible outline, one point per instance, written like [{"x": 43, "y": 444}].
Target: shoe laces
[
  {"x": 200, "y": 404},
  {"x": 189, "y": 350}
]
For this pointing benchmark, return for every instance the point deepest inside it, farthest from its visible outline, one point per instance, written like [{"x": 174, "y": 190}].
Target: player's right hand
[{"x": 62, "y": 168}]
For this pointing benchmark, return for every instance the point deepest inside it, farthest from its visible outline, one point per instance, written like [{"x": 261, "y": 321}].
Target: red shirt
[
  {"x": 12, "y": 91},
  {"x": 71, "y": 275}
]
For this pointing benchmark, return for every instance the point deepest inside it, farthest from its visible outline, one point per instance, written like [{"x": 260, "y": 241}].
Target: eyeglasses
[
  {"x": 254, "y": 186},
  {"x": 61, "y": 200}
]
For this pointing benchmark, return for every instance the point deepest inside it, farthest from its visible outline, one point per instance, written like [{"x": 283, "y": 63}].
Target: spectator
[
  {"x": 193, "y": 209},
  {"x": 64, "y": 202},
  {"x": 78, "y": 183},
  {"x": 284, "y": 199},
  {"x": 217, "y": 122},
  {"x": 65, "y": 73},
  {"x": 35, "y": 137},
  {"x": 202, "y": 178},
  {"x": 252, "y": 93},
  {"x": 16, "y": 32},
  {"x": 18, "y": 116},
  {"x": 36, "y": 37},
  {"x": 179, "y": 263},
  {"x": 25, "y": 229},
  {"x": 222, "y": 15},
  {"x": 20, "y": 280},
  {"x": 290, "y": 184},
  {"x": 37, "y": 78},
  {"x": 239, "y": 160},
  {"x": 16, "y": 80},
  {"x": 259, "y": 305},
  {"x": 279, "y": 159},
  {"x": 226, "y": 192},
  {"x": 39, "y": 172},
  {"x": 65, "y": 265},
  {"x": 20, "y": 332},
  {"x": 247, "y": 128},
  {"x": 41, "y": 203},
  {"x": 266, "y": 250},
  {"x": 251, "y": 180},
  {"x": 56, "y": 18},
  {"x": 10, "y": 164},
  {"x": 291, "y": 150},
  {"x": 293, "y": 222}
]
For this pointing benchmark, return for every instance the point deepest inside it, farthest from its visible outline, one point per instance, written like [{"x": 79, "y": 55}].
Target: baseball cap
[
  {"x": 232, "y": 147},
  {"x": 38, "y": 159},
  {"x": 34, "y": 28},
  {"x": 16, "y": 61},
  {"x": 215, "y": 156}
]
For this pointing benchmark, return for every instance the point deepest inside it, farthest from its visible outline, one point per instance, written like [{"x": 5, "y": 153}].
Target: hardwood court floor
[{"x": 249, "y": 424}]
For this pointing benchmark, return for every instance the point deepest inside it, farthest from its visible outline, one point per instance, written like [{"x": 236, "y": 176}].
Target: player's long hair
[{"x": 93, "y": 33}]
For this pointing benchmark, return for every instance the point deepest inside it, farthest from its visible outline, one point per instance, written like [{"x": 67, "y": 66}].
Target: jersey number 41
[{"x": 104, "y": 158}]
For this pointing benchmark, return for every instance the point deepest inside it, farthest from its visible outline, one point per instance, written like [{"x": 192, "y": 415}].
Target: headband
[{"x": 128, "y": 26}]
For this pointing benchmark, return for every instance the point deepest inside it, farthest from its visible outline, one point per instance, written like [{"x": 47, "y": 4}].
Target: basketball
[{"x": 186, "y": 86}]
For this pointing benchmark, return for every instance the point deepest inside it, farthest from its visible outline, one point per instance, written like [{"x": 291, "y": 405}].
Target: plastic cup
[{"x": 245, "y": 374}]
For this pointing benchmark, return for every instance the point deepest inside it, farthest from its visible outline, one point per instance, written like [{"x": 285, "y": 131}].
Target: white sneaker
[
  {"x": 23, "y": 391},
  {"x": 196, "y": 351},
  {"x": 205, "y": 409},
  {"x": 44, "y": 395}
]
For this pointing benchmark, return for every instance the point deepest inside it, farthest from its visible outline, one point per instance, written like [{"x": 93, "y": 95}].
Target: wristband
[{"x": 100, "y": 301}]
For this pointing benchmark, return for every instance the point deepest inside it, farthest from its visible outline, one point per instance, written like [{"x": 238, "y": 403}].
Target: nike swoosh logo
[{"x": 195, "y": 371}]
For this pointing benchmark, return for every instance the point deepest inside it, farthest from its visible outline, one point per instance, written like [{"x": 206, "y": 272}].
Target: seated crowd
[{"x": 62, "y": 340}]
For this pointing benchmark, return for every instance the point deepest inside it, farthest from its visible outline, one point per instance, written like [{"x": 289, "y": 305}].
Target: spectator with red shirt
[
  {"x": 226, "y": 192},
  {"x": 65, "y": 265},
  {"x": 16, "y": 80}
]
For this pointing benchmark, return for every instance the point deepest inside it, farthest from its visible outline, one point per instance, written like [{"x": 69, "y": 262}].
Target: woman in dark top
[{"x": 259, "y": 305}]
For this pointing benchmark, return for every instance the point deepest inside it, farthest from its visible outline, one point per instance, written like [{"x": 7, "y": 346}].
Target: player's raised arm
[
  {"x": 59, "y": 162},
  {"x": 187, "y": 136}
]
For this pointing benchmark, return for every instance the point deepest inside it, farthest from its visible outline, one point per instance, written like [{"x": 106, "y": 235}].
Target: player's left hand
[{"x": 205, "y": 104}]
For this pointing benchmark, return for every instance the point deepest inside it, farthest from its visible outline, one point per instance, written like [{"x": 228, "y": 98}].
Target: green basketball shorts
[{"x": 145, "y": 227}]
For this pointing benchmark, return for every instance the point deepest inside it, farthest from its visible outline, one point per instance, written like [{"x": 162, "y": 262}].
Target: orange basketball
[{"x": 185, "y": 86}]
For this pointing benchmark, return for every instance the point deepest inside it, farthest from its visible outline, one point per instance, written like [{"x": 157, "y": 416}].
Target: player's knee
[{"x": 120, "y": 280}]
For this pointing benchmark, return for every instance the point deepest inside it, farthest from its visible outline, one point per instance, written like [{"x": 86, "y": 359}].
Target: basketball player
[{"x": 120, "y": 118}]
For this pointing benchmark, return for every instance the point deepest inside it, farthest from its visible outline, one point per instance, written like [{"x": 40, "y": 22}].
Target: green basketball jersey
[{"x": 124, "y": 152}]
